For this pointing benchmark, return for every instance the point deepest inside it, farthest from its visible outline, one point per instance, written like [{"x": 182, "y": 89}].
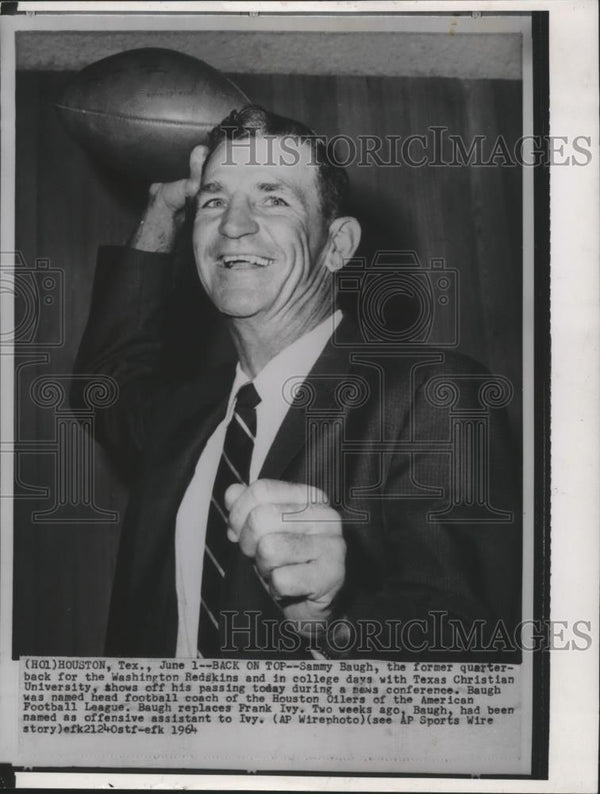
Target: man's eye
[
  {"x": 212, "y": 203},
  {"x": 275, "y": 201}
]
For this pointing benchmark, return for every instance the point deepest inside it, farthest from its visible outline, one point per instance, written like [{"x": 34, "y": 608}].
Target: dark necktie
[{"x": 234, "y": 467}]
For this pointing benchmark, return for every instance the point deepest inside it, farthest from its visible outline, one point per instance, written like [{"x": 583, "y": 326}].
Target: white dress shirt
[{"x": 295, "y": 362}]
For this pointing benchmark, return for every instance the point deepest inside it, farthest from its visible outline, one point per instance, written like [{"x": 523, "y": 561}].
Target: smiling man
[
  {"x": 265, "y": 248},
  {"x": 293, "y": 506}
]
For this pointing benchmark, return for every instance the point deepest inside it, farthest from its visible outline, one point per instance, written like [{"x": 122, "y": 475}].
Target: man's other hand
[
  {"x": 164, "y": 213},
  {"x": 295, "y": 539}
]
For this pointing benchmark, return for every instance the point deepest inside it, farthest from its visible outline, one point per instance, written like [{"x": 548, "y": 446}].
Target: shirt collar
[{"x": 295, "y": 361}]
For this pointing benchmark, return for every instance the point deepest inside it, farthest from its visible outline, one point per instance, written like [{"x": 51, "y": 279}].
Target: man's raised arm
[{"x": 124, "y": 336}]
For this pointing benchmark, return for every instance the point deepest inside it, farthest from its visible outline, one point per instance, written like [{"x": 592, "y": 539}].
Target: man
[{"x": 292, "y": 507}]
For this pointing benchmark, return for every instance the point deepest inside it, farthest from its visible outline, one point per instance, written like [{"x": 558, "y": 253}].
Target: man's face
[{"x": 259, "y": 233}]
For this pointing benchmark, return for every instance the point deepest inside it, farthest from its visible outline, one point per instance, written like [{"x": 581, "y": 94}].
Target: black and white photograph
[{"x": 278, "y": 373}]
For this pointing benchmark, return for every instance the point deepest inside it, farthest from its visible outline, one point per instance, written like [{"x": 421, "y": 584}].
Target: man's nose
[{"x": 238, "y": 220}]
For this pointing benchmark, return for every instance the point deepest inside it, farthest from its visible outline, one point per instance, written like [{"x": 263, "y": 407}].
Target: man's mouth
[{"x": 243, "y": 261}]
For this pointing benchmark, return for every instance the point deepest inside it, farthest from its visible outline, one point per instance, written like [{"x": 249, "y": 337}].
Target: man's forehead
[{"x": 274, "y": 158}]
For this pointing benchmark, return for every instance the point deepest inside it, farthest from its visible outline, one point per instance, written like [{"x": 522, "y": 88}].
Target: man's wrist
[{"x": 158, "y": 228}]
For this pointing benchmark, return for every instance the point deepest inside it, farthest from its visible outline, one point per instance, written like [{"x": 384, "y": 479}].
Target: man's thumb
[{"x": 233, "y": 493}]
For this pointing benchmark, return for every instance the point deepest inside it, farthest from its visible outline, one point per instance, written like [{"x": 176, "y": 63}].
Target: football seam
[{"x": 142, "y": 119}]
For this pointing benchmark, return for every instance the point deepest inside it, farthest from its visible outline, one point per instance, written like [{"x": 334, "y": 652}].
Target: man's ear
[{"x": 342, "y": 242}]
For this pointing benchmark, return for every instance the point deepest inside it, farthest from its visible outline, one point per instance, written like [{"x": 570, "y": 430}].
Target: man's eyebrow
[
  {"x": 211, "y": 187},
  {"x": 282, "y": 186},
  {"x": 270, "y": 187}
]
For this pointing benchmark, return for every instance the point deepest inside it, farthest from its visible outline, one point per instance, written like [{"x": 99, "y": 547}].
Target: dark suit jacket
[{"x": 382, "y": 442}]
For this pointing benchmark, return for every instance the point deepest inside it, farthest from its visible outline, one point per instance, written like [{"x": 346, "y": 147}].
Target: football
[{"x": 142, "y": 111}]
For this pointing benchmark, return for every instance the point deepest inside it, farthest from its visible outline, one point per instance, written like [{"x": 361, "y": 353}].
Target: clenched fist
[{"x": 295, "y": 539}]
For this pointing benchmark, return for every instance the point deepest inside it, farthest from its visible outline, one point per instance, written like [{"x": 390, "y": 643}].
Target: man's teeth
[{"x": 245, "y": 259}]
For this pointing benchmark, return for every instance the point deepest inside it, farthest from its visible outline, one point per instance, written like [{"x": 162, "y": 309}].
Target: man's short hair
[{"x": 252, "y": 120}]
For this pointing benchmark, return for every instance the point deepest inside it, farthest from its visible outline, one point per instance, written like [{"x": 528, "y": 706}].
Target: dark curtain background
[{"x": 66, "y": 206}]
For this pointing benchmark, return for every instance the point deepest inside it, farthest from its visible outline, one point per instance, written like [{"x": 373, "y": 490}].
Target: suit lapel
[
  {"x": 193, "y": 414},
  {"x": 196, "y": 421},
  {"x": 144, "y": 604},
  {"x": 317, "y": 396}
]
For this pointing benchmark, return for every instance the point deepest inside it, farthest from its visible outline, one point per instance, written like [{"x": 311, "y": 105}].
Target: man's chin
[{"x": 239, "y": 310}]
